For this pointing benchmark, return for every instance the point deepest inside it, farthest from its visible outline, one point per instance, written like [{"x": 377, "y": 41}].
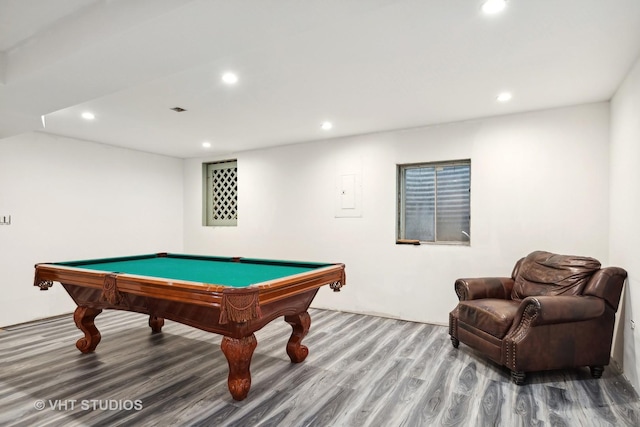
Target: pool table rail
[{"x": 186, "y": 291}]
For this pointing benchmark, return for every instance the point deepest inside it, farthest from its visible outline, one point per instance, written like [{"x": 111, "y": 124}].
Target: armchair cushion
[
  {"x": 544, "y": 273},
  {"x": 490, "y": 315}
]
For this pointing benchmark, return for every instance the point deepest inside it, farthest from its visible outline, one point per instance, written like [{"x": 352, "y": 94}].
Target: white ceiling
[{"x": 366, "y": 65}]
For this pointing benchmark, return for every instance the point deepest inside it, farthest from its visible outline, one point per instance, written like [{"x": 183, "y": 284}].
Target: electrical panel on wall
[{"x": 348, "y": 196}]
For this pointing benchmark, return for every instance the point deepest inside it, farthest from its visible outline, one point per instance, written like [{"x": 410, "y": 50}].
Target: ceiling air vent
[{"x": 178, "y": 109}]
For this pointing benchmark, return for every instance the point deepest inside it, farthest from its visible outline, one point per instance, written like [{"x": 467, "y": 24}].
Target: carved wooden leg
[
  {"x": 84, "y": 316},
  {"x": 238, "y": 353},
  {"x": 596, "y": 371},
  {"x": 518, "y": 377},
  {"x": 300, "y": 323},
  {"x": 156, "y": 323},
  {"x": 455, "y": 342}
]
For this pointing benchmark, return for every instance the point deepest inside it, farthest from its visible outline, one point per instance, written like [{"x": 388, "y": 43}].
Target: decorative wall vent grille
[{"x": 222, "y": 193}]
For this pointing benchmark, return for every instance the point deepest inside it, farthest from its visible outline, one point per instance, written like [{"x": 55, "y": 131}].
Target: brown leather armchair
[{"x": 554, "y": 312}]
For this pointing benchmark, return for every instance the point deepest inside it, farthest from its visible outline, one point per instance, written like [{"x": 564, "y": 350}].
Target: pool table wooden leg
[
  {"x": 84, "y": 317},
  {"x": 156, "y": 323},
  {"x": 300, "y": 323},
  {"x": 238, "y": 353}
]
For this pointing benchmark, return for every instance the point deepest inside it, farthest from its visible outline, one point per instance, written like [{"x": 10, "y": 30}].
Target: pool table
[{"x": 230, "y": 296}]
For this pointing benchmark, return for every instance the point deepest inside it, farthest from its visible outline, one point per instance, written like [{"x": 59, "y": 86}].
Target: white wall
[
  {"x": 71, "y": 199},
  {"x": 625, "y": 210},
  {"x": 539, "y": 181}
]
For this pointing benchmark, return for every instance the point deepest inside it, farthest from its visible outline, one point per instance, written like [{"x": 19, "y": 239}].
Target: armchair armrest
[
  {"x": 545, "y": 310},
  {"x": 484, "y": 287},
  {"x": 607, "y": 284}
]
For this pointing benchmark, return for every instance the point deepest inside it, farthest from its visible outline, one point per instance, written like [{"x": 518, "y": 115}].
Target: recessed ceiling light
[
  {"x": 230, "y": 78},
  {"x": 326, "y": 125},
  {"x": 206, "y": 144},
  {"x": 88, "y": 115},
  {"x": 504, "y": 97},
  {"x": 491, "y": 7}
]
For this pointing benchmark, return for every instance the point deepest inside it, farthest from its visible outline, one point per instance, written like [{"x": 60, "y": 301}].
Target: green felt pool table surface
[{"x": 224, "y": 271}]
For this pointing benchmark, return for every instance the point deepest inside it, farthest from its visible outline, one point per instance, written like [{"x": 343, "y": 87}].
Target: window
[
  {"x": 434, "y": 202},
  {"x": 220, "y": 197}
]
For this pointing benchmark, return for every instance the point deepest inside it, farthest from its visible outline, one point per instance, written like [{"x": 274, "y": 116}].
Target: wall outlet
[{"x": 633, "y": 324}]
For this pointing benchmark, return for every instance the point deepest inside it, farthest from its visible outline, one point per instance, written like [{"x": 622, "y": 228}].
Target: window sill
[
  {"x": 408, "y": 242},
  {"x": 418, "y": 243}
]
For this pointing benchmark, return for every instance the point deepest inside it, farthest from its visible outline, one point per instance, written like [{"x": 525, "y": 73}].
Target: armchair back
[{"x": 544, "y": 273}]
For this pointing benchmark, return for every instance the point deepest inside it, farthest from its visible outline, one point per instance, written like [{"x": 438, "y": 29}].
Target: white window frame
[{"x": 401, "y": 226}]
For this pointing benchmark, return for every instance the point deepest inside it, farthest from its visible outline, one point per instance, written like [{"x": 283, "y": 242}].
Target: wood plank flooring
[{"x": 361, "y": 371}]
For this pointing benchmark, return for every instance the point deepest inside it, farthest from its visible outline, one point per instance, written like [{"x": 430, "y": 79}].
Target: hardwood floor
[{"x": 361, "y": 371}]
